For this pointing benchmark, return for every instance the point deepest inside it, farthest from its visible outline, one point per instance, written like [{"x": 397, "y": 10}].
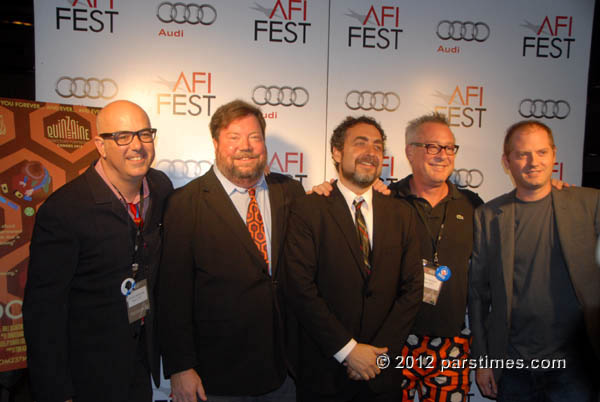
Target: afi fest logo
[
  {"x": 190, "y": 94},
  {"x": 379, "y": 28},
  {"x": 289, "y": 163},
  {"x": 553, "y": 37},
  {"x": 90, "y": 15},
  {"x": 464, "y": 107},
  {"x": 286, "y": 22}
]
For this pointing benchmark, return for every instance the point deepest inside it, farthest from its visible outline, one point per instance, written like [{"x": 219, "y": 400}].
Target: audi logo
[
  {"x": 550, "y": 109},
  {"x": 93, "y": 88},
  {"x": 180, "y": 169},
  {"x": 464, "y": 178},
  {"x": 182, "y": 13},
  {"x": 459, "y": 30},
  {"x": 377, "y": 100},
  {"x": 280, "y": 96}
]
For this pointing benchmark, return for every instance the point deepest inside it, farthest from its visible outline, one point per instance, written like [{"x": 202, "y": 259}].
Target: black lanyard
[
  {"x": 435, "y": 240},
  {"x": 139, "y": 236}
]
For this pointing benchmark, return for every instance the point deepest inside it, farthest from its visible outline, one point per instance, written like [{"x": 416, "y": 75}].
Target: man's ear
[
  {"x": 505, "y": 162},
  {"x": 100, "y": 146},
  {"x": 337, "y": 155}
]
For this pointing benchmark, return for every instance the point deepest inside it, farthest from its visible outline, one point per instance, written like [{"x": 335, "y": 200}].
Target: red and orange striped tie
[{"x": 254, "y": 222}]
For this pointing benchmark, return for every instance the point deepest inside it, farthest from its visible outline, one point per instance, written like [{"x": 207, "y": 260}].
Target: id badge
[
  {"x": 138, "y": 302},
  {"x": 434, "y": 277}
]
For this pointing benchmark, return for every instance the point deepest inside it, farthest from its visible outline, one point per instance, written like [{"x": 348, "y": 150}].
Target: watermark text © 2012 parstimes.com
[{"x": 428, "y": 362}]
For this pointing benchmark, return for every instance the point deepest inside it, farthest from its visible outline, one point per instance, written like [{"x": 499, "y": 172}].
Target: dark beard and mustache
[
  {"x": 363, "y": 180},
  {"x": 236, "y": 173}
]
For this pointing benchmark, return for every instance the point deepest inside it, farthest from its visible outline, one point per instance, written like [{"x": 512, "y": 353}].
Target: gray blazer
[{"x": 577, "y": 214}]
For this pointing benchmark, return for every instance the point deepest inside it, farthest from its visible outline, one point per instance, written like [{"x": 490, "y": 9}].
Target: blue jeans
[{"x": 564, "y": 385}]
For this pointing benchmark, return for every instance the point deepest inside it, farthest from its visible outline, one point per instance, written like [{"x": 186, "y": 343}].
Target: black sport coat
[
  {"x": 327, "y": 287},
  {"x": 219, "y": 310},
  {"x": 79, "y": 340}
]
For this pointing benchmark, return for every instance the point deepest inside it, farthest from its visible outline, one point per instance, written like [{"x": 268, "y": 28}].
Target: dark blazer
[
  {"x": 326, "y": 285},
  {"x": 219, "y": 311},
  {"x": 79, "y": 340},
  {"x": 577, "y": 215}
]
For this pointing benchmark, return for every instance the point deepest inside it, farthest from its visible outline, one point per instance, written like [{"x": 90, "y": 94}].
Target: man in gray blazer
[{"x": 534, "y": 294}]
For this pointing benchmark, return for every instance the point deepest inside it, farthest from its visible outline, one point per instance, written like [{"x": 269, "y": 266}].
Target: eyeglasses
[
  {"x": 434, "y": 149},
  {"x": 125, "y": 137}
]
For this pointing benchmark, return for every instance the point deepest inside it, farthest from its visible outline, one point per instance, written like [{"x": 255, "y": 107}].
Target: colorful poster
[{"x": 42, "y": 146}]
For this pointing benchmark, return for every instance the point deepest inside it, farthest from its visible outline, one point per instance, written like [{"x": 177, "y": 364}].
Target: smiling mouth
[{"x": 136, "y": 158}]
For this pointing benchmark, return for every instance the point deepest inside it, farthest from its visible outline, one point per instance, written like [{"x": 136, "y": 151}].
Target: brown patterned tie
[
  {"x": 254, "y": 222},
  {"x": 363, "y": 234}
]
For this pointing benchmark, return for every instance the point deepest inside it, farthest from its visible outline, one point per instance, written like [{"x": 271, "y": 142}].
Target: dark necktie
[
  {"x": 363, "y": 234},
  {"x": 254, "y": 222}
]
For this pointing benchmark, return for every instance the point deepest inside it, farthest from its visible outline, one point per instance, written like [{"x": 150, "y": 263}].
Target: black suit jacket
[
  {"x": 79, "y": 340},
  {"x": 326, "y": 285},
  {"x": 218, "y": 307}
]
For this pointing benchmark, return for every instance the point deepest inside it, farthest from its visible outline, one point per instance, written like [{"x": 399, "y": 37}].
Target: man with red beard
[
  {"x": 220, "y": 318},
  {"x": 352, "y": 276}
]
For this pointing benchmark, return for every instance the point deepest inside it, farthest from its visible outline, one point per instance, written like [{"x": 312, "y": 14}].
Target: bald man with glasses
[{"x": 89, "y": 308}]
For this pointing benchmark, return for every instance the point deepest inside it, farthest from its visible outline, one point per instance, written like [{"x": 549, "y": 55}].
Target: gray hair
[{"x": 413, "y": 125}]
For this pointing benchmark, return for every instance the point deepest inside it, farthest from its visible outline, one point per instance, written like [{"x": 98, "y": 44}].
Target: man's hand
[
  {"x": 363, "y": 360},
  {"x": 380, "y": 187},
  {"x": 352, "y": 374},
  {"x": 486, "y": 383},
  {"x": 559, "y": 184},
  {"x": 324, "y": 188},
  {"x": 185, "y": 385}
]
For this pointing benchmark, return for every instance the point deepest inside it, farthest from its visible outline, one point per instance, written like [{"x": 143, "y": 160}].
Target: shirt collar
[
  {"x": 231, "y": 188},
  {"x": 350, "y": 196},
  {"x": 404, "y": 189}
]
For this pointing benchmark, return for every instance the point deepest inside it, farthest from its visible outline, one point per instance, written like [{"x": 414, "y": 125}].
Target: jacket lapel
[
  {"x": 567, "y": 234},
  {"x": 277, "y": 221},
  {"x": 506, "y": 236},
  {"x": 338, "y": 208},
  {"x": 379, "y": 230},
  {"x": 220, "y": 203}
]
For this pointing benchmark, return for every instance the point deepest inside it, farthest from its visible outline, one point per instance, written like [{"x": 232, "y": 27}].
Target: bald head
[
  {"x": 126, "y": 164},
  {"x": 121, "y": 115}
]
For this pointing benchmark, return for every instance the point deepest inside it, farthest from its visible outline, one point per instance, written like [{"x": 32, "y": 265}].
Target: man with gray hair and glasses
[{"x": 445, "y": 230}]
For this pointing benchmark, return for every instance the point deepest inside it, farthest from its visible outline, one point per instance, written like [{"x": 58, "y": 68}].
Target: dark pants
[
  {"x": 362, "y": 394},
  {"x": 285, "y": 393},
  {"x": 563, "y": 385}
]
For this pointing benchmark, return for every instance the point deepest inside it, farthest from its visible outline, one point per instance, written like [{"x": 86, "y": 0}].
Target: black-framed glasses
[
  {"x": 434, "y": 149},
  {"x": 125, "y": 137}
]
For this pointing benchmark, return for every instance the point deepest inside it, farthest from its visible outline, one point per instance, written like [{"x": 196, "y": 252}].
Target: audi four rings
[
  {"x": 377, "y": 100},
  {"x": 182, "y": 13},
  {"x": 463, "y": 30},
  {"x": 180, "y": 169},
  {"x": 464, "y": 178},
  {"x": 93, "y": 88},
  {"x": 279, "y": 96},
  {"x": 548, "y": 108}
]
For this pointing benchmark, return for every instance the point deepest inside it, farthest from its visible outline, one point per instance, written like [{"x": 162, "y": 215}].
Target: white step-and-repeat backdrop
[{"x": 310, "y": 63}]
